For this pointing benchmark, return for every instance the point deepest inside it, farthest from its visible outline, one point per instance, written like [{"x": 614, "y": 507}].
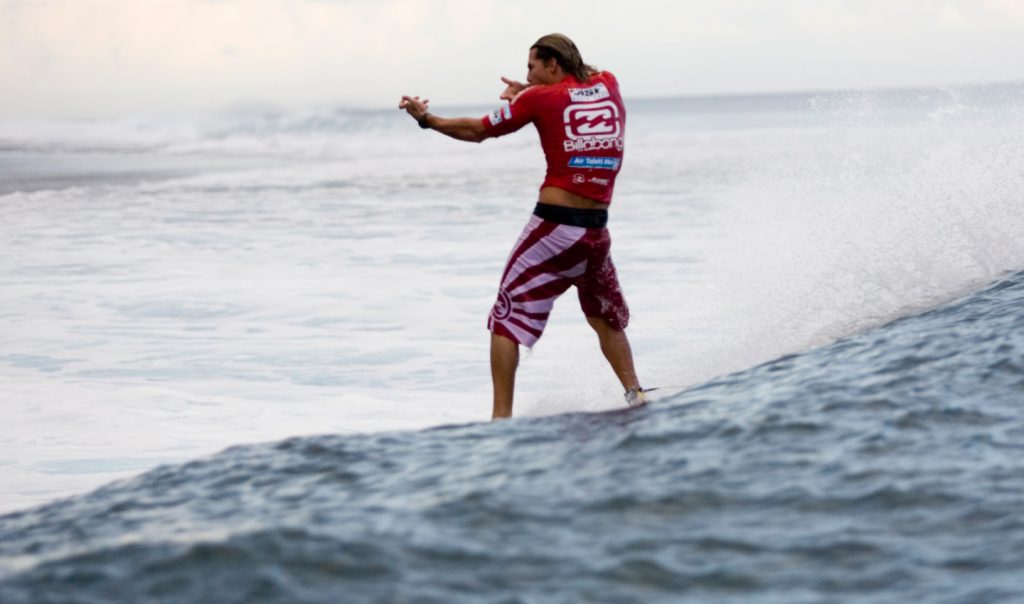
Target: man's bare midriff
[{"x": 560, "y": 197}]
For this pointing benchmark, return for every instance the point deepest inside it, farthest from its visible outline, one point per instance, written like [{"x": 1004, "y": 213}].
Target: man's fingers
[
  {"x": 412, "y": 101},
  {"x": 513, "y": 89}
]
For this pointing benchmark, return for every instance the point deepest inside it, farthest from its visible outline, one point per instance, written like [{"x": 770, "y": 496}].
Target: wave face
[{"x": 881, "y": 467}]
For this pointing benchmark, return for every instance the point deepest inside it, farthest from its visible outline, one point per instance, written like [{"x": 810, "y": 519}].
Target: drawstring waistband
[{"x": 589, "y": 219}]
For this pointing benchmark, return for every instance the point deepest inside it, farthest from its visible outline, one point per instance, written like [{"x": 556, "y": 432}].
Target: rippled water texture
[{"x": 881, "y": 468}]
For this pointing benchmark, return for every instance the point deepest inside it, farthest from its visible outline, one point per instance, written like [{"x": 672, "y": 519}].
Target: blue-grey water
[
  {"x": 885, "y": 467},
  {"x": 832, "y": 280}
]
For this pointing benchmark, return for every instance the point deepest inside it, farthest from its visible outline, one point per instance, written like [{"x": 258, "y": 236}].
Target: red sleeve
[{"x": 511, "y": 117}]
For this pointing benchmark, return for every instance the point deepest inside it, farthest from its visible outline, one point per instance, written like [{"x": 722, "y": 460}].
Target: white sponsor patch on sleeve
[
  {"x": 500, "y": 114},
  {"x": 594, "y": 93}
]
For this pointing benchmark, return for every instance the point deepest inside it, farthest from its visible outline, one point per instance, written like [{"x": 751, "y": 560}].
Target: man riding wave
[{"x": 580, "y": 116}]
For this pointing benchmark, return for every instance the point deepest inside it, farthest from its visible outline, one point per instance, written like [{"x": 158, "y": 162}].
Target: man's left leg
[
  {"x": 504, "y": 362},
  {"x": 547, "y": 259}
]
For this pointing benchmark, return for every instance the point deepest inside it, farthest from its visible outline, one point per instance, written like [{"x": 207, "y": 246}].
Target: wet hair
[{"x": 560, "y": 48}]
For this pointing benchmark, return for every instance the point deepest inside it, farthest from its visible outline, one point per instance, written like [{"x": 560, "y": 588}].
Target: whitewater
[{"x": 832, "y": 278}]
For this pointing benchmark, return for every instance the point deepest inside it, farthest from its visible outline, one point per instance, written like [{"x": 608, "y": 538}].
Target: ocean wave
[
  {"x": 247, "y": 129},
  {"x": 797, "y": 480}
]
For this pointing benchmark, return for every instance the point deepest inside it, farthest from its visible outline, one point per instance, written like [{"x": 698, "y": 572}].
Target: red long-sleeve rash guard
[{"x": 582, "y": 127}]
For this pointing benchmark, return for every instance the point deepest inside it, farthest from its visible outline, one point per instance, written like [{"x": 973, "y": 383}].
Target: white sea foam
[
  {"x": 335, "y": 275},
  {"x": 740, "y": 245}
]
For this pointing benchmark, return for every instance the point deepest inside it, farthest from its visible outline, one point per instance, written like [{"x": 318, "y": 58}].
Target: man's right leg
[
  {"x": 616, "y": 349},
  {"x": 504, "y": 362},
  {"x": 607, "y": 312}
]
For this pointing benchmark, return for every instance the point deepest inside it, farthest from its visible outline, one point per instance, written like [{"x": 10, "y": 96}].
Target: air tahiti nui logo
[{"x": 503, "y": 307}]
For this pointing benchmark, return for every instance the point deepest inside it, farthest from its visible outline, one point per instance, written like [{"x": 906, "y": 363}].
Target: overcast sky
[{"x": 134, "y": 57}]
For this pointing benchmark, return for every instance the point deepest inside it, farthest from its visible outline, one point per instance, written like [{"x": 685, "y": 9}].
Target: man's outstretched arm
[{"x": 462, "y": 128}]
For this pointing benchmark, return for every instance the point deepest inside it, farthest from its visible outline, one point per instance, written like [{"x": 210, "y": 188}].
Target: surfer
[{"x": 581, "y": 119}]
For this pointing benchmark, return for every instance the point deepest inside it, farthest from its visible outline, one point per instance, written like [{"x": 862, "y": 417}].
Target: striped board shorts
[{"x": 548, "y": 258}]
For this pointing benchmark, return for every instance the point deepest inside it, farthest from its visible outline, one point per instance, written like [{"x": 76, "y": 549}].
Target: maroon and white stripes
[{"x": 547, "y": 260}]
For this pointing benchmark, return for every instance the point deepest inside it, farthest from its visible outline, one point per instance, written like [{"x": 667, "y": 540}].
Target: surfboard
[{"x": 660, "y": 394}]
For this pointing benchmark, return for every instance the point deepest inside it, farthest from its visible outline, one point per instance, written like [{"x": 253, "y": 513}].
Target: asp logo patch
[{"x": 594, "y": 93}]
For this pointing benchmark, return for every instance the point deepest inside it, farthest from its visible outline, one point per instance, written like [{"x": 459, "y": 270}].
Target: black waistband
[{"x": 590, "y": 219}]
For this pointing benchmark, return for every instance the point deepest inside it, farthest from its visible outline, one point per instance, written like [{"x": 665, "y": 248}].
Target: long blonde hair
[{"x": 563, "y": 50}]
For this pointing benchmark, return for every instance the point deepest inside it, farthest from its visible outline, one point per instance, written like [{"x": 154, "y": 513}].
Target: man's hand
[
  {"x": 414, "y": 106},
  {"x": 512, "y": 90}
]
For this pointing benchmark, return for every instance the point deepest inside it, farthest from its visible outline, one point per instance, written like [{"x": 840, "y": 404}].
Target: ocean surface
[{"x": 243, "y": 358}]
